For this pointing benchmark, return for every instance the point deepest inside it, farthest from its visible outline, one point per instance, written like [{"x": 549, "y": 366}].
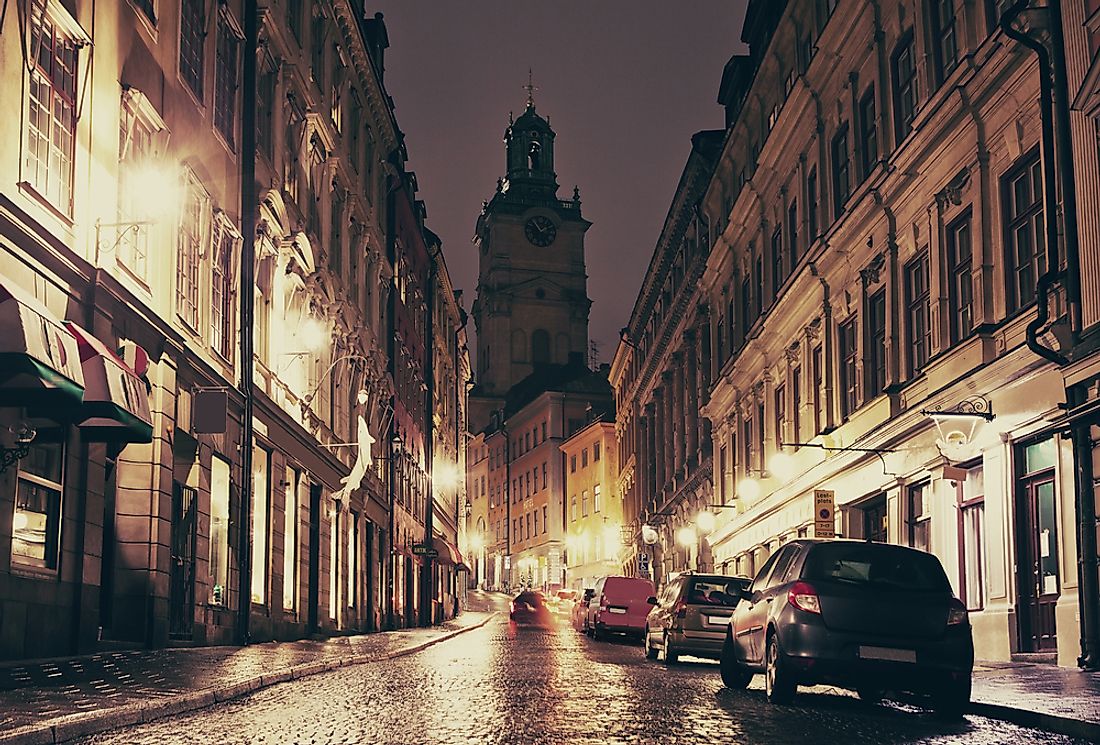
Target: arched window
[
  {"x": 519, "y": 346},
  {"x": 540, "y": 347},
  {"x": 533, "y": 155}
]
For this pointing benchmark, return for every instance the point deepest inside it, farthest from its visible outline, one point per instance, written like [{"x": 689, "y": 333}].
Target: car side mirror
[
  {"x": 746, "y": 593},
  {"x": 651, "y": 600}
]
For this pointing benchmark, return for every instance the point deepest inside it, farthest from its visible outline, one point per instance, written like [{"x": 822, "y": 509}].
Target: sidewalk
[
  {"x": 57, "y": 700},
  {"x": 1057, "y": 699}
]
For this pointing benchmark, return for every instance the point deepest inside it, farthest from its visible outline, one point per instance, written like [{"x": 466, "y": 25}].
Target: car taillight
[
  {"x": 804, "y": 597},
  {"x": 512, "y": 606},
  {"x": 680, "y": 609},
  {"x": 956, "y": 613}
]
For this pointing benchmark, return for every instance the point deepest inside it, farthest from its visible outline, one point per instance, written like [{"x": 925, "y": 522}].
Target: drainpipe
[
  {"x": 1050, "y": 190},
  {"x": 249, "y": 200}
]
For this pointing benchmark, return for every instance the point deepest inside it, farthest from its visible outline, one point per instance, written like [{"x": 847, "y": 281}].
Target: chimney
[{"x": 377, "y": 40}]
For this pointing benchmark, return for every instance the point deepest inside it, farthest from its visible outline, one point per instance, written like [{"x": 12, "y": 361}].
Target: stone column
[
  {"x": 659, "y": 440},
  {"x": 677, "y": 370},
  {"x": 669, "y": 418},
  {"x": 691, "y": 408}
]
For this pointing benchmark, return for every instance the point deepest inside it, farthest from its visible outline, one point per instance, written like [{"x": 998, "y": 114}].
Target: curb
[
  {"x": 71, "y": 726},
  {"x": 1038, "y": 720}
]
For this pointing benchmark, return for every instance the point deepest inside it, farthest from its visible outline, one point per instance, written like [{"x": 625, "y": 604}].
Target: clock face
[{"x": 540, "y": 230}]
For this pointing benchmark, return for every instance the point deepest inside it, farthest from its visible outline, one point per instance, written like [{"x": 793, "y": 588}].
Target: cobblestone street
[{"x": 499, "y": 685}]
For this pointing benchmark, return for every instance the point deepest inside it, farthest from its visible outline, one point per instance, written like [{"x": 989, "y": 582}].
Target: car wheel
[
  {"x": 650, "y": 650},
  {"x": 596, "y": 633},
  {"x": 951, "y": 702},
  {"x": 778, "y": 685},
  {"x": 670, "y": 657},
  {"x": 869, "y": 694},
  {"x": 734, "y": 674}
]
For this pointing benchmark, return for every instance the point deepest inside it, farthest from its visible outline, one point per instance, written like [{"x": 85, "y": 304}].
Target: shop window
[
  {"x": 920, "y": 516},
  {"x": 219, "y": 531},
  {"x": 36, "y": 523},
  {"x": 261, "y": 461},
  {"x": 290, "y": 539},
  {"x": 970, "y": 493}
]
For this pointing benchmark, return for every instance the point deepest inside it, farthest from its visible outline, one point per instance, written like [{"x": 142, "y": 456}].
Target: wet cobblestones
[{"x": 497, "y": 685}]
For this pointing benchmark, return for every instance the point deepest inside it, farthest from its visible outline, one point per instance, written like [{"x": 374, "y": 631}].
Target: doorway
[
  {"x": 182, "y": 581},
  {"x": 1038, "y": 576}
]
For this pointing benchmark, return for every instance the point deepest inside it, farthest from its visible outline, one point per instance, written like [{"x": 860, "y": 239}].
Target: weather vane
[{"x": 530, "y": 88}]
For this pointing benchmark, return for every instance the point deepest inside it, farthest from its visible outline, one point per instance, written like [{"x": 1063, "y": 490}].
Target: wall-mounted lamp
[
  {"x": 958, "y": 425},
  {"x": 23, "y": 435}
]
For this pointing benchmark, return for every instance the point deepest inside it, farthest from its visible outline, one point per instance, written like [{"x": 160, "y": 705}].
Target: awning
[
  {"x": 116, "y": 402},
  {"x": 39, "y": 364},
  {"x": 448, "y": 553}
]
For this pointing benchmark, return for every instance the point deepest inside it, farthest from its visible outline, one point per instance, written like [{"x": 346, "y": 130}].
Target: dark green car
[{"x": 690, "y": 616}]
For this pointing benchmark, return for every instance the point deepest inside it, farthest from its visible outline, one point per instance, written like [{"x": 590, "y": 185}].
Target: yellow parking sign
[{"x": 824, "y": 509}]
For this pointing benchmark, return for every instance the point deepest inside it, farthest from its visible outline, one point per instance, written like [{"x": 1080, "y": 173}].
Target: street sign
[
  {"x": 643, "y": 564},
  {"x": 824, "y": 510},
  {"x": 422, "y": 549}
]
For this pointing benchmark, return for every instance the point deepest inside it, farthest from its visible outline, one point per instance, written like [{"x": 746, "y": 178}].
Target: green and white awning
[
  {"x": 116, "y": 402},
  {"x": 39, "y": 362}
]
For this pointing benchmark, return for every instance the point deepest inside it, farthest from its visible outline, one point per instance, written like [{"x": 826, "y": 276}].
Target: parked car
[
  {"x": 579, "y": 614},
  {"x": 619, "y": 605},
  {"x": 691, "y": 615},
  {"x": 872, "y": 617},
  {"x": 529, "y": 609}
]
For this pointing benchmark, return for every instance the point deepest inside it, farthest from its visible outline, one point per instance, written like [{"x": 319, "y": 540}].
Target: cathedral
[{"x": 532, "y": 302}]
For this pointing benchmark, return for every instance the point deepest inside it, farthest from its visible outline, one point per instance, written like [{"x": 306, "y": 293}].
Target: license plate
[
  {"x": 616, "y": 610},
  {"x": 888, "y": 653},
  {"x": 719, "y": 620}
]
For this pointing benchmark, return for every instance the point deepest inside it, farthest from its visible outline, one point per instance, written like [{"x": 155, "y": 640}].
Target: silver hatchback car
[{"x": 690, "y": 616}]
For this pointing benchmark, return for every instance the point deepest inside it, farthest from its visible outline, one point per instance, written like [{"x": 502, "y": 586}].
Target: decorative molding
[
  {"x": 953, "y": 191},
  {"x": 870, "y": 275}
]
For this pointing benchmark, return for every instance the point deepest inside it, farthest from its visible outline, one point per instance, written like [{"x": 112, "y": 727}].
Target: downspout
[
  {"x": 391, "y": 353},
  {"x": 1050, "y": 190},
  {"x": 249, "y": 200}
]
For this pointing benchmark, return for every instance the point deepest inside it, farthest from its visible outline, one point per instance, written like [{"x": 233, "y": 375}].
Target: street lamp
[
  {"x": 705, "y": 521},
  {"x": 748, "y": 488},
  {"x": 686, "y": 536}
]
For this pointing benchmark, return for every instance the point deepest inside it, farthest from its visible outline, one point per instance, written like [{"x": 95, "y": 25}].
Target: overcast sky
[{"x": 625, "y": 84}]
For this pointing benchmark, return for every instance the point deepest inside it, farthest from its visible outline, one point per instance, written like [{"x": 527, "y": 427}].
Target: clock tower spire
[{"x": 532, "y": 303}]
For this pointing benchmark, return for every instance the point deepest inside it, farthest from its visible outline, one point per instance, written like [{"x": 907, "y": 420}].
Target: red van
[{"x": 619, "y": 605}]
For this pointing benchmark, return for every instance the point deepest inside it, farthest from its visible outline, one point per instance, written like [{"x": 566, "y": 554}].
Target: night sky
[{"x": 625, "y": 84}]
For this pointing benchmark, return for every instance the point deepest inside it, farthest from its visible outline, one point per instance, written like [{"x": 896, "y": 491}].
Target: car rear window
[
  {"x": 714, "y": 591},
  {"x": 876, "y": 564},
  {"x": 627, "y": 588}
]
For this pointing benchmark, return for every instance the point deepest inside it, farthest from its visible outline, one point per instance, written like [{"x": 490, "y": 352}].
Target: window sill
[
  {"x": 30, "y": 571},
  {"x": 28, "y": 189}
]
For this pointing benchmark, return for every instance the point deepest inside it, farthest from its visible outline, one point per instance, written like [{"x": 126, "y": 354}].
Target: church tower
[{"x": 532, "y": 301}]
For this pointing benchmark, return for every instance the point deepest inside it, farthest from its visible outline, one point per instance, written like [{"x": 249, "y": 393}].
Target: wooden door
[
  {"x": 182, "y": 580},
  {"x": 1037, "y": 563}
]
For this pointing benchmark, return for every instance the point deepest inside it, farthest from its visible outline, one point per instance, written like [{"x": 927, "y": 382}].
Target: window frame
[
  {"x": 971, "y": 504},
  {"x": 918, "y": 527},
  {"x": 945, "y": 38},
  {"x": 192, "y": 69},
  {"x": 874, "y": 355},
  {"x": 959, "y": 271},
  {"x": 917, "y": 312},
  {"x": 848, "y": 358},
  {"x": 905, "y": 89},
  {"x": 842, "y": 169},
  {"x": 227, "y": 76},
  {"x": 1033, "y": 216},
  {"x": 868, "y": 132},
  {"x": 55, "y": 516},
  {"x": 47, "y": 90}
]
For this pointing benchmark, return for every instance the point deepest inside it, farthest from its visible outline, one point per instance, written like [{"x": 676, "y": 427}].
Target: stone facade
[{"x": 879, "y": 241}]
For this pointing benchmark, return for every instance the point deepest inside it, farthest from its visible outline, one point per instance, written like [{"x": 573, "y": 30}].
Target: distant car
[
  {"x": 872, "y": 617},
  {"x": 691, "y": 615},
  {"x": 579, "y": 613},
  {"x": 529, "y": 609},
  {"x": 562, "y": 601},
  {"x": 619, "y": 605}
]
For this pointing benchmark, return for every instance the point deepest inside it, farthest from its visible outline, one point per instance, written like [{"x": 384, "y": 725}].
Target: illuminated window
[
  {"x": 293, "y": 480},
  {"x": 192, "y": 238},
  {"x": 51, "y": 115},
  {"x": 36, "y": 524},
  {"x": 219, "y": 531},
  {"x": 222, "y": 282},
  {"x": 142, "y": 134},
  {"x": 260, "y": 494},
  {"x": 596, "y": 498}
]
